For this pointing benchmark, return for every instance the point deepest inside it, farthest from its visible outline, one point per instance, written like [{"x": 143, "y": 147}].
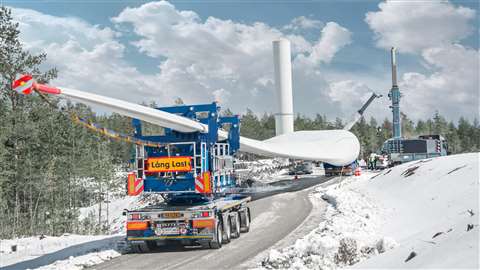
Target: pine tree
[
  {"x": 14, "y": 180},
  {"x": 250, "y": 125},
  {"x": 440, "y": 125},
  {"x": 408, "y": 128},
  {"x": 466, "y": 135}
]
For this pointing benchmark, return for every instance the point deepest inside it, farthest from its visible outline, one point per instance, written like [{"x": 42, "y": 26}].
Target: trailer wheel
[
  {"x": 236, "y": 227},
  {"x": 151, "y": 245},
  {"x": 140, "y": 248},
  {"x": 246, "y": 227},
  {"x": 217, "y": 242},
  {"x": 227, "y": 232}
]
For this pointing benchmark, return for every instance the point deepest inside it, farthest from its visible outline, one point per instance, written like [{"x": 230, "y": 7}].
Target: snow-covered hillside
[{"x": 421, "y": 214}]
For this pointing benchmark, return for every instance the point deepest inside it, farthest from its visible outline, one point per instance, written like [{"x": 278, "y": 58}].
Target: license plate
[
  {"x": 167, "y": 231},
  {"x": 172, "y": 215}
]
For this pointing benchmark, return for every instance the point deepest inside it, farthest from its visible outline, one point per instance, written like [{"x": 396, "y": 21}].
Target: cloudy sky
[{"x": 203, "y": 51}]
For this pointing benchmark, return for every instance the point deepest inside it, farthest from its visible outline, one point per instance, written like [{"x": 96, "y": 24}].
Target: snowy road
[{"x": 274, "y": 217}]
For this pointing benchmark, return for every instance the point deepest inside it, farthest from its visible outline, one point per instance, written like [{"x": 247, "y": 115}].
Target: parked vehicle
[
  {"x": 347, "y": 170},
  {"x": 305, "y": 167}
]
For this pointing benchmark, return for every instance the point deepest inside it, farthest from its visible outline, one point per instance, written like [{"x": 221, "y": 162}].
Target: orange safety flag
[
  {"x": 23, "y": 84},
  {"x": 134, "y": 185},
  {"x": 202, "y": 183}
]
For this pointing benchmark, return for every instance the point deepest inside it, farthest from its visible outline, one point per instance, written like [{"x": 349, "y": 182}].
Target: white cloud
[
  {"x": 221, "y": 96},
  {"x": 302, "y": 22},
  {"x": 334, "y": 37},
  {"x": 88, "y": 57},
  {"x": 198, "y": 59},
  {"x": 59, "y": 30},
  {"x": 203, "y": 56},
  {"x": 452, "y": 88},
  {"x": 432, "y": 30},
  {"x": 413, "y": 26},
  {"x": 348, "y": 93}
]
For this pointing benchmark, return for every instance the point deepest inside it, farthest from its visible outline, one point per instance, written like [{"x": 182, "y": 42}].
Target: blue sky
[{"x": 326, "y": 84}]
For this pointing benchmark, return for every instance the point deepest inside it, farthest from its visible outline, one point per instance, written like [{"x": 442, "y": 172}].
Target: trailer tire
[
  {"x": 217, "y": 242},
  {"x": 236, "y": 227},
  {"x": 140, "y": 248},
  {"x": 228, "y": 231},
  {"x": 246, "y": 227},
  {"x": 151, "y": 244}
]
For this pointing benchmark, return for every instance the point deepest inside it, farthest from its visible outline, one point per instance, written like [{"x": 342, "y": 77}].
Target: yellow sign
[{"x": 169, "y": 164}]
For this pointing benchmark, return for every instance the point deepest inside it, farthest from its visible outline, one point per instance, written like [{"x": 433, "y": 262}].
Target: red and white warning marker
[{"x": 25, "y": 84}]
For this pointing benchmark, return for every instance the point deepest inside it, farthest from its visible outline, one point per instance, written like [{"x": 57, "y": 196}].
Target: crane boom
[{"x": 360, "y": 112}]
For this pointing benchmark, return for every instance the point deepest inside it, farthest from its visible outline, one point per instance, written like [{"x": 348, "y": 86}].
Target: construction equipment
[
  {"x": 360, "y": 112},
  {"x": 194, "y": 173},
  {"x": 425, "y": 146},
  {"x": 401, "y": 149},
  {"x": 302, "y": 167}
]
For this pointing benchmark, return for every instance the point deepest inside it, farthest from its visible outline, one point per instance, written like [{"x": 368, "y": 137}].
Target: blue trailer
[
  {"x": 332, "y": 170},
  {"x": 194, "y": 173}
]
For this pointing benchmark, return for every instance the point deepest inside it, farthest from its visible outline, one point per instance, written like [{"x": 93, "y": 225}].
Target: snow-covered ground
[
  {"x": 113, "y": 211},
  {"x": 62, "y": 252},
  {"x": 421, "y": 210},
  {"x": 422, "y": 214},
  {"x": 71, "y": 251}
]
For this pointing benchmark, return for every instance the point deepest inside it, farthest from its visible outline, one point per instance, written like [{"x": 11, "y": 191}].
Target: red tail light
[{"x": 205, "y": 214}]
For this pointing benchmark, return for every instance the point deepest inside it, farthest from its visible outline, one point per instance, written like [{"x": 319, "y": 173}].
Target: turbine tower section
[
  {"x": 395, "y": 96},
  {"x": 283, "y": 83}
]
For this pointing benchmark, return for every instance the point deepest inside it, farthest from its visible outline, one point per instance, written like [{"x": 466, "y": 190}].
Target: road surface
[{"x": 274, "y": 217}]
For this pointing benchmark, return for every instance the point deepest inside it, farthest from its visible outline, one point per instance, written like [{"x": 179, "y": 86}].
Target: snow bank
[
  {"x": 416, "y": 215},
  {"x": 33, "y": 252},
  {"x": 83, "y": 261},
  {"x": 430, "y": 205},
  {"x": 349, "y": 226}
]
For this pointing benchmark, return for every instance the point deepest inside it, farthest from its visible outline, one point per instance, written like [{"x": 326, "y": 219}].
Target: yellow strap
[{"x": 113, "y": 135}]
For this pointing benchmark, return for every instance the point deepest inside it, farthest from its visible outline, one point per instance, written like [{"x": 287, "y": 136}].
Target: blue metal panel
[
  {"x": 210, "y": 113},
  {"x": 395, "y": 95},
  {"x": 204, "y": 113},
  {"x": 233, "y": 132},
  {"x": 152, "y": 184}
]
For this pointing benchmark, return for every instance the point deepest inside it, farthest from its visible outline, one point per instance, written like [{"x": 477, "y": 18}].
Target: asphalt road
[{"x": 275, "y": 213}]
